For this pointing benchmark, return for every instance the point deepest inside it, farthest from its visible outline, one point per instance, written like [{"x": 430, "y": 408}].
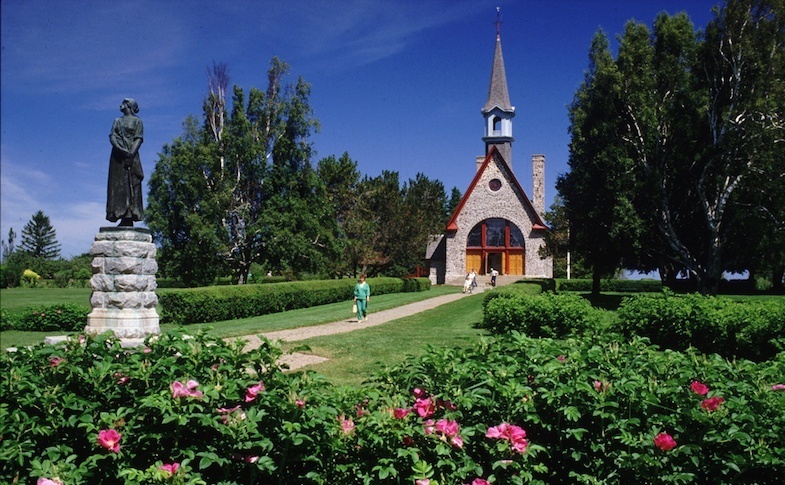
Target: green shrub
[
  {"x": 211, "y": 304},
  {"x": 616, "y": 286},
  {"x": 748, "y": 329},
  {"x": 67, "y": 317},
  {"x": 546, "y": 315},
  {"x": 7, "y": 321},
  {"x": 590, "y": 411}
]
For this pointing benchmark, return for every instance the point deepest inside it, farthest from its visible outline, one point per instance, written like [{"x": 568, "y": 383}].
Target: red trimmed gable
[{"x": 452, "y": 226}]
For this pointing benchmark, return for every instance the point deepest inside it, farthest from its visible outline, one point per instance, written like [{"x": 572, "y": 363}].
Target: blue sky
[{"x": 397, "y": 84}]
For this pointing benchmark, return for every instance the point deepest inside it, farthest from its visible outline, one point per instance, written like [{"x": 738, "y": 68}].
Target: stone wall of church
[{"x": 484, "y": 203}]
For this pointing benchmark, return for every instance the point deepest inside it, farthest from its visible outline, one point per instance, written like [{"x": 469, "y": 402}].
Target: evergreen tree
[{"x": 39, "y": 238}]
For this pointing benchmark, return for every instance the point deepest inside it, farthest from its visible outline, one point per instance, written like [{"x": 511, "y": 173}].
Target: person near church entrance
[
  {"x": 470, "y": 282},
  {"x": 362, "y": 293},
  {"x": 494, "y": 274}
]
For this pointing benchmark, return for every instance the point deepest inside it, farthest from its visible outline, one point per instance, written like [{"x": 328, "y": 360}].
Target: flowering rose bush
[{"x": 511, "y": 410}]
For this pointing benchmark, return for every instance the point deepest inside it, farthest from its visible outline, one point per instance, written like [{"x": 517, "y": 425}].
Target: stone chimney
[{"x": 538, "y": 183}]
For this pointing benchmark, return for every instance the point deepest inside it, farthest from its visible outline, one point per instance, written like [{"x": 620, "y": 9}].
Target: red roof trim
[{"x": 452, "y": 226}]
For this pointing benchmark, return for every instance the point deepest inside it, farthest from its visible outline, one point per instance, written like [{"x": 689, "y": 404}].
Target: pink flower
[
  {"x": 147, "y": 350},
  {"x": 251, "y": 392},
  {"x": 422, "y": 481},
  {"x": 664, "y": 441},
  {"x": 480, "y": 481},
  {"x": 561, "y": 358},
  {"x": 55, "y": 361},
  {"x": 401, "y": 413},
  {"x": 187, "y": 390},
  {"x": 601, "y": 386},
  {"x": 418, "y": 393},
  {"x": 171, "y": 468},
  {"x": 424, "y": 407},
  {"x": 300, "y": 403},
  {"x": 121, "y": 379},
  {"x": 509, "y": 432},
  {"x": 109, "y": 439},
  {"x": 457, "y": 441},
  {"x": 228, "y": 413},
  {"x": 712, "y": 403},
  {"x": 699, "y": 388},
  {"x": 47, "y": 481},
  {"x": 778, "y": 387},
  {"x": 347, "y": 425},
  {"x": 447, "y": 427}
]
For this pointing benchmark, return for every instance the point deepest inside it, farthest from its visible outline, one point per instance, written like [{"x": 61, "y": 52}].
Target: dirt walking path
[{"x": 297, "y": 360}]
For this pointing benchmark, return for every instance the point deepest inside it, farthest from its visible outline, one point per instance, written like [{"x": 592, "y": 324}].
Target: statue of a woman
[{"x": 124, "y": 192}]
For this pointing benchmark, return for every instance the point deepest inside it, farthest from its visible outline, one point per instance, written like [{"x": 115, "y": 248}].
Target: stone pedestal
[{"x": 123, "y": 283}]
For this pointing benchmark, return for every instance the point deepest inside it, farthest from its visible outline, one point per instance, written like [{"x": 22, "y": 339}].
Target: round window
[{"x": 495, "y": 184}]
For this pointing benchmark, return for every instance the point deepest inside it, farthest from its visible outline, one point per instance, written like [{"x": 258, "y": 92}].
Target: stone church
[{"x": 496, "y": 225}]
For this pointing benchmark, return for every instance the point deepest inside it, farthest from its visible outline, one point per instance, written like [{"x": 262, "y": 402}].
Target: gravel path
[{"x": 297, "y": 360}]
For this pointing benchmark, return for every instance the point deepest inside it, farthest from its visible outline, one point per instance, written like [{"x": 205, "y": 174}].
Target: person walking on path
[
  {"x": 494, "y": 274},
  {"x": 362, "y": 293}
]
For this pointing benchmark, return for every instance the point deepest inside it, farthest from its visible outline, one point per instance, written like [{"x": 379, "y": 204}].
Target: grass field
[{"x": 353, "y": 357}]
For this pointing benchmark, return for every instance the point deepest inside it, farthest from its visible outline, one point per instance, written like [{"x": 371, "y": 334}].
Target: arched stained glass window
[
  {"x": 494, "y": 235},
  {"x": 495, "y": 232},
  {"x": 475, "y": 236}
]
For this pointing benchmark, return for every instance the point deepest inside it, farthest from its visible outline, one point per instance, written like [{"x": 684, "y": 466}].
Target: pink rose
[
  {"x": 55, "y": 361},
  {"x": 601, "y": 386},
  {"x": 778, "y": 387},
  {"x": 424, "y": 407},
  {"x": 447, "y": 427},
  {"x": 480, "y": 481},
  {"x": 401, "y": 413},
  {"x": 457, "y": 441},
  {"x": 418, "y": 393},
  {"x": 712, "y": 403},
  {"x": 561, "y": 358},
  {"x": 189, "y": 389},
  {"x": 347, "y": 425},
  {"x": 699, "y": 388},
  {"x": 109, "y": 439},
  {"x": 422, "y": 481},
  {"x": 300, "y": 403},
  {"x": 47, "y": 481},
  {"x": 664, "y": 441},
  {"x": 171, "y": 468},
  {"x": 512, "y": 433},
  {"x": 251, "y": 392}
]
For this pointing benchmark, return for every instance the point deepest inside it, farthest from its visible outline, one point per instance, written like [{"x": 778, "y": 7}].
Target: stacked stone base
[{"x": 123, "y": 283}]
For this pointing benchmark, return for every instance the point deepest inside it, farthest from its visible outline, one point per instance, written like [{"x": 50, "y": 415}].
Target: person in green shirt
[{"x": 362, "y": 293}]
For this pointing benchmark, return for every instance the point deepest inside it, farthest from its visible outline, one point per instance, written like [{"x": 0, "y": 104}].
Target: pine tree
[{"x": 39, "y": 238}]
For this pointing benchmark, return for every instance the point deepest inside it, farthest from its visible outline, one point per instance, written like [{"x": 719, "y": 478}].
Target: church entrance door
[{"x": 494, "y": 260}]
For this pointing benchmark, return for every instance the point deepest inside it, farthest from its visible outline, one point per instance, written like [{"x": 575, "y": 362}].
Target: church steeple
[{"x": 498, "y": 112}]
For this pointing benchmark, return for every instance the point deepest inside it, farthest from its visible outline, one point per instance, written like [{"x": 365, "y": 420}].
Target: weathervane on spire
[{"x": 498, "y": 21}]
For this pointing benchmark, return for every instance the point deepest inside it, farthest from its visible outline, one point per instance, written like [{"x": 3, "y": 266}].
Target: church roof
[
  {"x": 537, "y": 223},
  {"x": 498, "y": 96}
]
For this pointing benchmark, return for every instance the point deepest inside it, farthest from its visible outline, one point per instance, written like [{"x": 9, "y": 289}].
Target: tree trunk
[{"x": 596, "y": 279}]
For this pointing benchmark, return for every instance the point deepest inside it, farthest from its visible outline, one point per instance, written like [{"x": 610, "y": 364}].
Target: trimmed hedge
[
  {"x": 620, "y": 286},
  {"x": 747, "y": 329},
  {"x": 212, "y": 304},
  {"x": 67, "y": 317},
  {"x": 547, "y": 315}
]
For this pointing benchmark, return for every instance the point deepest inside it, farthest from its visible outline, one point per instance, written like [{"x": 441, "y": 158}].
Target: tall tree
[
  {"x": 39, "y": 238},
  {"x": 246, "y": 166},
  {"x": 340, "y": 179},
  {"x": 599, "y": 190},
  {"x": 7, "y": 246}
]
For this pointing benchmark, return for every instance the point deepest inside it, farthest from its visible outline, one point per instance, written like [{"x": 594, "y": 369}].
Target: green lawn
[
  {"x": 354, "y": 356},
  {"x": 14, "y": 300}
]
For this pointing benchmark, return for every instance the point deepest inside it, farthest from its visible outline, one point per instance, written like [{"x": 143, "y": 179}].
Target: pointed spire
[{"x": 498, "y": 96}]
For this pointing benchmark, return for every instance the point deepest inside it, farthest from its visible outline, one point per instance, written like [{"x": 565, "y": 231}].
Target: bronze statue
[{"x": 124, "y": 191}]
